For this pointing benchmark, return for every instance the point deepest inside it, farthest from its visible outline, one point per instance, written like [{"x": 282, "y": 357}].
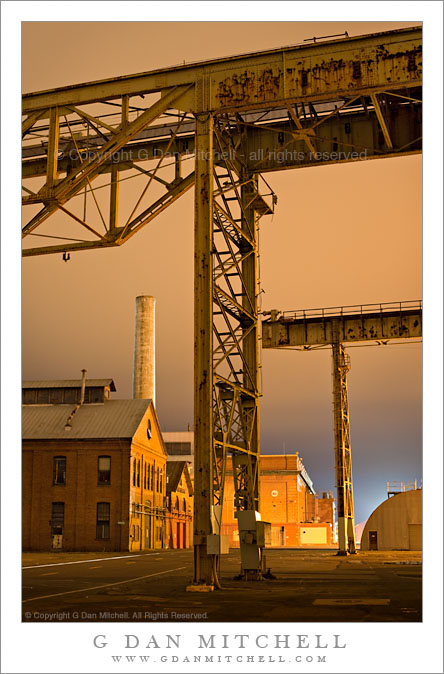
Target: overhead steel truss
[
  {"x": 236, "y": 118},
  {"x": 306, "y": 330}
]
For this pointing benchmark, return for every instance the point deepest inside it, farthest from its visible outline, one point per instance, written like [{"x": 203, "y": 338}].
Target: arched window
[
  {"x": 157, "y": 479},
  {"x": 184, "y": 505},
  {"x": 177, "y": 503},
  {"x": 134, "y": 472}
]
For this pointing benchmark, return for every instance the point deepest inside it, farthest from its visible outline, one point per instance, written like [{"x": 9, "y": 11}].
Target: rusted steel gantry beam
[
  {"x": 310, "y": 105},
  {"x": 336, "y": 326},
  {"x": 237, "y": 117}
]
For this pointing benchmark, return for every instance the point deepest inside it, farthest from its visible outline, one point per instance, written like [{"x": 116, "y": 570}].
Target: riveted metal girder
[
  {"x": 367, "y": 323},
  {"x": 203, "y": 341},
  {"x": 357, "y": 65}
]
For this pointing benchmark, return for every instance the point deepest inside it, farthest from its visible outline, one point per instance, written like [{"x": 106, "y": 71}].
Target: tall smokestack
[{"x": 144, "y": 375}]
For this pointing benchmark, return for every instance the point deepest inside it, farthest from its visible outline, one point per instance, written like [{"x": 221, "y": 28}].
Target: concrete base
[{"x": 200, "y": 588}]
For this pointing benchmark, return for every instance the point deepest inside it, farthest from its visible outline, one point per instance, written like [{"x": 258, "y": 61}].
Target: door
[
  {"x": 275, "y": 537},
  {"x": 147, "y": 543},
  {"x": 184, "y": 535},
  {"x": 372, "y": 540},
  {"x": 178, "y": 545},
  {"x": 57, "y": 542},
  {"x": 57, "y": 525}
]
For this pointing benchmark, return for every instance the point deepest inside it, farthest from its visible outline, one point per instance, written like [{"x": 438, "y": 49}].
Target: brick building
[
  {"x": 298, "y": 517},
  {"x": 180, "y": 447},
  {"x": 94, "y": 472},
  {"x": 179, "y": 491}
]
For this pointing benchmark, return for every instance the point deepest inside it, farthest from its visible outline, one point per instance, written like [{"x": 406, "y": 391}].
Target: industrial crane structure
[
  {"x": 336, "y": 327},
  {"x": 237, "y": 118}
]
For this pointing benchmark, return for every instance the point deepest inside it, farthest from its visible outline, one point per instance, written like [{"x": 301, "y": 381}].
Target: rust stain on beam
[{"x": 303, "y": 72}]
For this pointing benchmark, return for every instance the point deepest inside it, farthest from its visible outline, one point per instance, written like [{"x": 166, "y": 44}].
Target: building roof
[
  {"x": 286, "y": 463},
  {"x": 112, "y": 419},
  {"x": 174, "y": 470},
  {"x": 68, "y": 383}
]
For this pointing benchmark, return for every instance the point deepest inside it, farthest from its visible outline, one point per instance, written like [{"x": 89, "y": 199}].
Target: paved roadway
[{"x": 310, "y": 586}]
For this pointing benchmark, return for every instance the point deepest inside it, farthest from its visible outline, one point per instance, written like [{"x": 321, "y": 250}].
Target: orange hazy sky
[{"x": 341, "y": 235}]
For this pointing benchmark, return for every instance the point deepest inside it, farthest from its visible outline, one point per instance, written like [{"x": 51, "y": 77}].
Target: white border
[{"x": 399, "y": 647}]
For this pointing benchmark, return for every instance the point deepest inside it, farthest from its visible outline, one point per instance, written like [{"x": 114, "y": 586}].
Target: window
[
  {"x": 103, "y": 517},
  {"x": 95, "y": 394},
  {"x": 57, "y": 518},
  {"x": 72, "y": 395},
  {"x": 134, "y": 472},
  {"x": 29, "y": 396},
  {"x": 56, "y": 396},
  {"x": 104, "y": 470},
  {"x": 152, "y": 478},
  {"x": 42, "y": 396},
  {"x": 144, "y": 476},
  {"x": 184, "y": 505},
  {"x": 177, "y": 503},
  {"x": 157, "y": 479},
  {"x": 161, "y": 481},
  {"x": 138, "y": 473},
  {"x": 59, "y": 470}
]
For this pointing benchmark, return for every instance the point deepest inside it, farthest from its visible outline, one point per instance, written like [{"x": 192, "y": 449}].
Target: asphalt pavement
[{"x": 309, "y": 586}]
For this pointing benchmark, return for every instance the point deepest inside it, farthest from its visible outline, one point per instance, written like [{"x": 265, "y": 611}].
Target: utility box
[
  {"x": 217, "y": 545},
  {"x": 253, "y": 536},
  {"x": 246, "y": 520},
  {"x": 263, "y": 534}
]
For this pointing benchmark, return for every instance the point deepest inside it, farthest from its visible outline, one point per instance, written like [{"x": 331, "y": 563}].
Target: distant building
[
  {"x": 298, "y": 517},
  {"x": 396, "y": 524},
  {"x": 94, "y": 469},
  {"x": 180, "y": 447},
  {"x": 179, "y": 491}
]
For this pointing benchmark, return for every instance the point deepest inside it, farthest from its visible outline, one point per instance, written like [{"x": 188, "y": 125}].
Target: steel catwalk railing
[{"x": 356, "y": 309}]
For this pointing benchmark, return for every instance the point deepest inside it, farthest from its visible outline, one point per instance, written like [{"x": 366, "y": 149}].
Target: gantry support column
[
  {"x": 246, "y": 466},
  {"x": 344, "y": 482},
  {"x": 251, "y": 336},
  {"x": 203, "y": 348}
]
